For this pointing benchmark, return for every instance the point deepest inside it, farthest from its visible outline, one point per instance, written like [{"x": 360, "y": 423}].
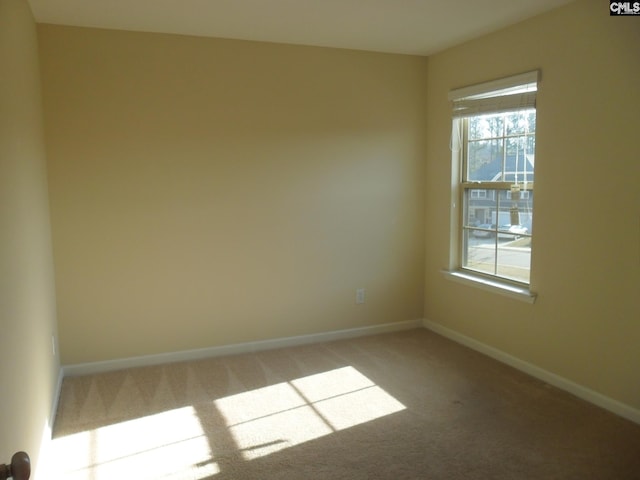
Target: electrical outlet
[{"x": 360, "y": 296}]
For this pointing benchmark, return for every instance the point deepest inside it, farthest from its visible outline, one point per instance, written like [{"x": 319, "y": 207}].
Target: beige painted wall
[
  {"x": 586, "y": 263},
  {"x": 28, "y": 368},
  {"x": 206, "y": 192}
]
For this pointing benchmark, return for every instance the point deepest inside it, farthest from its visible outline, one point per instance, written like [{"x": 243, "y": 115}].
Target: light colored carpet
[{"x": 407, "y": 405}]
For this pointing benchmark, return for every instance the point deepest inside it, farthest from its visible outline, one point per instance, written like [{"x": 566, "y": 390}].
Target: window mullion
[
  {"x": 504, "y": 147},
  {"x": 495, "y": 239},
  {"x": 487, "y": 185}
]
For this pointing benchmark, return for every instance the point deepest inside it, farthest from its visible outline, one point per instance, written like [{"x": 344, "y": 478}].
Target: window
[{"x": 493, "y": 144}]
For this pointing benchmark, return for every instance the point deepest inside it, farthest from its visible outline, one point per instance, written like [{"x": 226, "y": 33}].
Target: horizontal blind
[{"x": 503, "y": 95}]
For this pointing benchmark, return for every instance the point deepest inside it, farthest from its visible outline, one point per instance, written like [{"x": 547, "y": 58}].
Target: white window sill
[{"x": 502, "y": 288}]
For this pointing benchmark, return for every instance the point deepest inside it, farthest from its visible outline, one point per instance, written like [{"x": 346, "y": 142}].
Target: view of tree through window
[{"x": 494, "y": 138}]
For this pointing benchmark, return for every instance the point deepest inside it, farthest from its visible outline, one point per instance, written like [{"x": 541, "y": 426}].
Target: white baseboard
[
  {"x": 187, "y": 355},
  {"x": 580, "y": 391}
]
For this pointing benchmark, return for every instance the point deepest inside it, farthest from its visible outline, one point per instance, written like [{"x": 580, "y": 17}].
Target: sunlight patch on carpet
[
  {"x": 280, "y": 416},
  {"x": 169, "y": 446}
]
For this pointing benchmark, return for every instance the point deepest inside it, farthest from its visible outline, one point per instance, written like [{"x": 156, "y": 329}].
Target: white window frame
[{"x": 504, "y": 95}]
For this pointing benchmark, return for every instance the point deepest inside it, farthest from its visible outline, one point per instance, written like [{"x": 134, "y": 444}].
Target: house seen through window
[{"x": 493, "y": 142}]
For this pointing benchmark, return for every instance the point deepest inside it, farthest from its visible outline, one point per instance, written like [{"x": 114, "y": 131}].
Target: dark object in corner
[{"x": 19, "y": 469}]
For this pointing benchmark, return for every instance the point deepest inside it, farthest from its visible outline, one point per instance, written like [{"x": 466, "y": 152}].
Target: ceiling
[{"x": 418, "y": 27}]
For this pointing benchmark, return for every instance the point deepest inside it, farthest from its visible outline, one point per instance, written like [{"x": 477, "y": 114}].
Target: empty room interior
[{"x": 250, "y": 239}]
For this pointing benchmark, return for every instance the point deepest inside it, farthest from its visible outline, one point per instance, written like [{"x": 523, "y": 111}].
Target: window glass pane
[
  {"x": 516, "y": 209},
  {"x": 516, "y": 149},
  {"x": 479, "y": 207},
  {"x": 486, "y": 126},
  {"x": 479, "y": 253},
  {"x": 530, "y": 144},
  {"x": 484, "y": 159},
  {"x": 514, "y": 258},
  {"x": 518, "y": 123},
  {"x": 530, "y": 119}
]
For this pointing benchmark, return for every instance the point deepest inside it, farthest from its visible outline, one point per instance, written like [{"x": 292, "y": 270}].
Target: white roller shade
[{"x": 504, "y": 95}]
